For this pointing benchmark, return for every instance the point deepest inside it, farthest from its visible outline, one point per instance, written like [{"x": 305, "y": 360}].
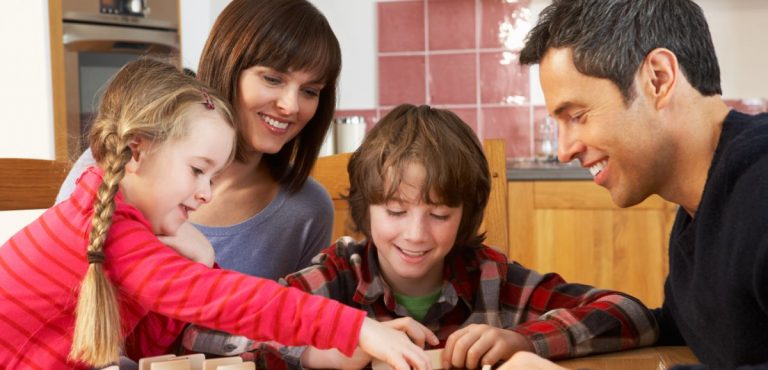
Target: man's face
[{"x": 624, "y": 145}]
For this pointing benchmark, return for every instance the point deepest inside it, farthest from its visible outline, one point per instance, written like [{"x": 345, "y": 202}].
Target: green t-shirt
[{"x": 418, "y": 306}]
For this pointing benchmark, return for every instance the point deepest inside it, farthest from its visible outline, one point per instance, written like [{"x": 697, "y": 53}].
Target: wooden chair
[
  {"x": 331, "y": 172},
  {"x": 30, "y": 183}
]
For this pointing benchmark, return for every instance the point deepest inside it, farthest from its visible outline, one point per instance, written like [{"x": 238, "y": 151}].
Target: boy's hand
[
  {"x": 480, "y": 344},
  {"x": 191, "y": 243},
  {"x": 418, "y": 333},
  {"x": 392, "y": 347},
  {"x": 529, "y": 361}
]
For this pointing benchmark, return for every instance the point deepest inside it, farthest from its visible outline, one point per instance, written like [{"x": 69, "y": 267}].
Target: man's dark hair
[{"x": 610, "y": 39}]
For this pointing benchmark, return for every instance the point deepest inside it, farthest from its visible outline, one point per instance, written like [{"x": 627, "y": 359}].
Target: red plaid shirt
[{"x": 480, "y": 287}]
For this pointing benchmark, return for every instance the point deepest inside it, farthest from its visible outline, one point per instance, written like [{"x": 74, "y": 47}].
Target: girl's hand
[
  {"x": 529, "y": 361},
  {"x": 392, "y": 347},
  {"x": 333, "y": 359},
  {"x": 480, "y": 344},
  {"x": 191, "y": 243}
]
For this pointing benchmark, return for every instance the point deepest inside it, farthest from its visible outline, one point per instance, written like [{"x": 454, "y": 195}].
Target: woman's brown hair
[
  {"x": 287, "y": 35},
  {"x": 146, "y": 98},
  {"x": 456, "y": 168}
]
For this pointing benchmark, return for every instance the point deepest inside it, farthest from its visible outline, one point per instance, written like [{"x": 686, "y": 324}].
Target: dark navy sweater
[{"x": 716, "y": 294}]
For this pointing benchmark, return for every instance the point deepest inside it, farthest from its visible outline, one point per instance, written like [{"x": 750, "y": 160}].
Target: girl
[
  {"x": 90, "y": 273},
  {"x": 277, "y": 63}
]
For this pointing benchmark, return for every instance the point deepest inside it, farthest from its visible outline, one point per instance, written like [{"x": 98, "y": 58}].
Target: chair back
[
  {"x": 331, "y": 172},
  {"x": 30, "y": 183}
]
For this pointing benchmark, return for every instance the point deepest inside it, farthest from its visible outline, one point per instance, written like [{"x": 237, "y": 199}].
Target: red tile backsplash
[
  {"x": 459, "y": 55},
  {"x": 401, "y": 80},
  {"x": 504, "y": 24},
  {"x": 451, "y": 24},
  {"x": 401, "y": 26},
  {"x": 502, "y": 79},
  {"x": 468, "y": 115},
  {"x": 453, "y": 79},
  {"x": 512, "y": 124}
]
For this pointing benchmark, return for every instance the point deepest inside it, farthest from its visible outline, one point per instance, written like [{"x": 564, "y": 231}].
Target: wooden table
[{"x": 650, "y": 358}]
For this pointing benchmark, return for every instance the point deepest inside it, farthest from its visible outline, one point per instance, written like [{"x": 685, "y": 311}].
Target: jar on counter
[
  {"x": 545, "y": 140},
  {"x": 350, "y": 132}
]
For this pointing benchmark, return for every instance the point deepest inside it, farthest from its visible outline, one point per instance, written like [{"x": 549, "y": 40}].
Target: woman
[{"x": 277, "y": 62}]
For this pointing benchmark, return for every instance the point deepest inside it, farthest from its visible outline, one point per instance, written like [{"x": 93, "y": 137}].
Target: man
[{"x": 635, "y": 88}]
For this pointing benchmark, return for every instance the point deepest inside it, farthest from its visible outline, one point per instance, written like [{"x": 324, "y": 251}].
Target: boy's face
[{"x": 412, "y": 237}]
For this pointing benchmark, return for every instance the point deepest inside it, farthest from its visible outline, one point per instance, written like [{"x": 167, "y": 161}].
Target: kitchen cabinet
[{"x": 573, "y": 228}]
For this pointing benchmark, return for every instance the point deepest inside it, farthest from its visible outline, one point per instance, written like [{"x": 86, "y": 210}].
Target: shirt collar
[{"x": 457, "y": 282}]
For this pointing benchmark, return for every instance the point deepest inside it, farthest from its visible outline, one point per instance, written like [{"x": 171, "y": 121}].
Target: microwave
[{"x": 99, "y": 37}]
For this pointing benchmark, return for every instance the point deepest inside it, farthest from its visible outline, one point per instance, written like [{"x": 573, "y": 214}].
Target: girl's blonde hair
[{"x": 147, "y": 98}]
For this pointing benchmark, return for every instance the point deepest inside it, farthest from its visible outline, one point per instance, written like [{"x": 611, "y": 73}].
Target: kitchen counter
[{"x": 527, "y": 170}]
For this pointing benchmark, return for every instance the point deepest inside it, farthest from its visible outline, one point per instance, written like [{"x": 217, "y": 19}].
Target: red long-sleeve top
[{"x": 42, "y": 266}]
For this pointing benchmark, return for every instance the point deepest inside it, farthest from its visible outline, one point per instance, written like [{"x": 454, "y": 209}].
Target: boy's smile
[{"x": 413, "y": 237}]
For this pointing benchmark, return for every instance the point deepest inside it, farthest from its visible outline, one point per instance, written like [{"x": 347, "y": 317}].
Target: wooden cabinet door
[{"x": 573, "y": 228}]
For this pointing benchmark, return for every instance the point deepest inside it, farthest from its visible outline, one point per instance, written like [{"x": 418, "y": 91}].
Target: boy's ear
[{"x": 661, "y": 72}]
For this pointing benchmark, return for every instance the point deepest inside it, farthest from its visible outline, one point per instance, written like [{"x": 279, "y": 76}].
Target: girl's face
[
  {"x": 412, "y": 237},
  {"x": 274, "y": 106},
  {"x": 173, "y": 178}
]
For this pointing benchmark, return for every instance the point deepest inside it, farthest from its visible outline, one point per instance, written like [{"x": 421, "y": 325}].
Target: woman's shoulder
[{"x": 311, "y": 195}]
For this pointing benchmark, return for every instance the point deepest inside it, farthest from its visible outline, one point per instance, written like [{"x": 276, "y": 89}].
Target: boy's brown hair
[{"x": 452, "y": 156}]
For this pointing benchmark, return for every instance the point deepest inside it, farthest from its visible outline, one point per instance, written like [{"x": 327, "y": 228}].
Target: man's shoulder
[{"x": 746, "y": 147}]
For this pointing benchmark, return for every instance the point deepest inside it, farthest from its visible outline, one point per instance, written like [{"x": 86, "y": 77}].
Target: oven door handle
[{"x": 76, "y": 34}]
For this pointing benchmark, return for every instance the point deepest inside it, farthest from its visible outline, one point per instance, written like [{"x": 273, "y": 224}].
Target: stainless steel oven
[{"x": 100, "y": 36}]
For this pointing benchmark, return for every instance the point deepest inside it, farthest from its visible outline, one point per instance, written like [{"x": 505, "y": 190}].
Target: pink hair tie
[{"x": 207, "y": 99}]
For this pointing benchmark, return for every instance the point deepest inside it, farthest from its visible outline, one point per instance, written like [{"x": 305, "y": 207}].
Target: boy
[{"x": 419, "y": 185}]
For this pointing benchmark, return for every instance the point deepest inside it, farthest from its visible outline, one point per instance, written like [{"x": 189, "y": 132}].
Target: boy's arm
[{"x": 567, "y": 320}]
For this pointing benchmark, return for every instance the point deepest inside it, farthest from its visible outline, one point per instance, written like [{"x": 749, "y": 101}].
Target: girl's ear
[{"x": 138, "y": 147}]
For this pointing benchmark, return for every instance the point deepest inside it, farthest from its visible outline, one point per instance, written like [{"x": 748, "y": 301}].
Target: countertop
[{"x": 529, "y": 170}]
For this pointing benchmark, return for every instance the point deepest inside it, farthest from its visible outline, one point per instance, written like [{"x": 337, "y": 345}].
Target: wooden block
[
  {"x": 195, "y": 360},
  {"x": 435, "y": 359},
  {"x": 172, "y": 364},
  {"x": 244, "y": 366},
  {"x": 146, "y": 362},
  {"x": 214, "y": 363}
]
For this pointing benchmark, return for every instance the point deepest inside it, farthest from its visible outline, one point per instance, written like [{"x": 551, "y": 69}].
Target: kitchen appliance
[{"x": 99, "y": 37}]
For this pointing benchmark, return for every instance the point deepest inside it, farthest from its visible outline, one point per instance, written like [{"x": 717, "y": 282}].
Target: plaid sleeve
[
  {"x": 333, "y": 274},
  {"x": 568, "y": 320}
]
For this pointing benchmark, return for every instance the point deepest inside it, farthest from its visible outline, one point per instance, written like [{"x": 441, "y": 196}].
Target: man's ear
[
  {"x": 138, "y": 147},
  {"x": 660, "y": 72}
]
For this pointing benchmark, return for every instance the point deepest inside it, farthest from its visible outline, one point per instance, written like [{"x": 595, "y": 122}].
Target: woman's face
[{"x": 275, "y": 106}]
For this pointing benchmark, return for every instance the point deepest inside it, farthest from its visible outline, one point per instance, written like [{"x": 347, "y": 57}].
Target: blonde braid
[{"x": 98, "y": 335}]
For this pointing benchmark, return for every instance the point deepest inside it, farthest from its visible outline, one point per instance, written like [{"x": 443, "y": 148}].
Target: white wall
[
  {"x": 197, "y": 18},
  {"x": 354, "y": 22},
  {"x": 26, "y": 101},
  {"x": 738, "y": 31}
]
